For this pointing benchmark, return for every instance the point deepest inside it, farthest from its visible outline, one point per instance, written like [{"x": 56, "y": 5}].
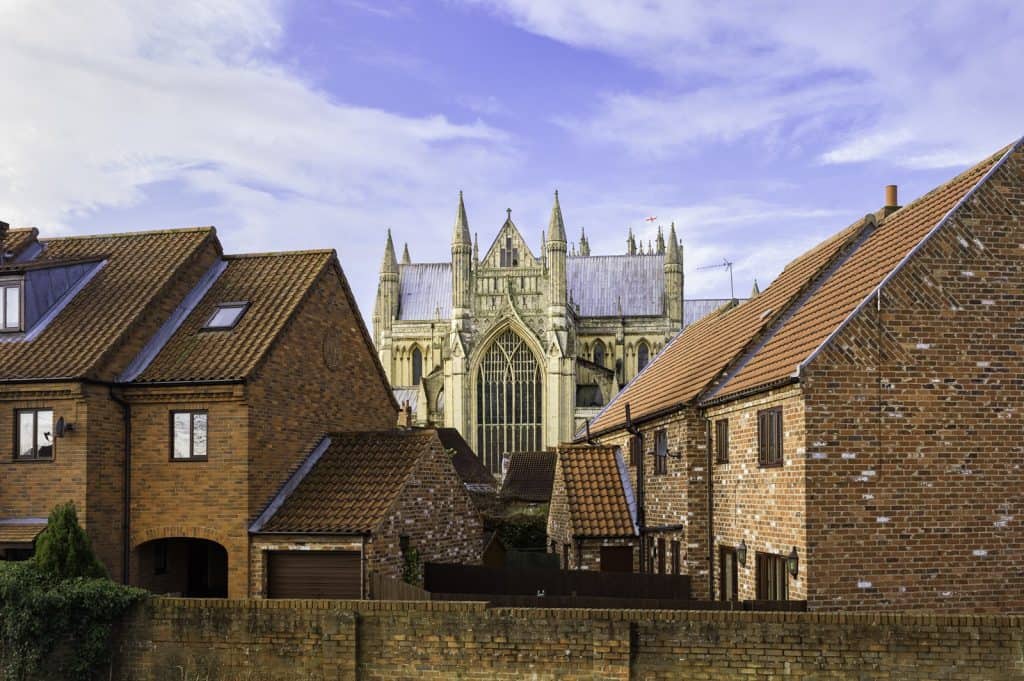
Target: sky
[{"x": 759, "y": 128}]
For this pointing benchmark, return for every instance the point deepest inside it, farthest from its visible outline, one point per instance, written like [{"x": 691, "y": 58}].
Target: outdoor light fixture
[
  {"x": 741, "y": 553},
  {"x": 793, "y": 563}
]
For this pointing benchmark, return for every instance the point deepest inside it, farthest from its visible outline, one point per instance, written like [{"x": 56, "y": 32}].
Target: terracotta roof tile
[
  {"x": 852, "y": 283},
  {"x": 137, "y": 268},
  {"x": 21, "y": 531},
  {"x": 273, "y": 284},
  {"x": 699, "y": 353},
  {"x": 529, "y": 477},
  {"x": 598, "y": 505},
  {"x": 467, "y": 464},
  {"x": 354, "y": 484}
]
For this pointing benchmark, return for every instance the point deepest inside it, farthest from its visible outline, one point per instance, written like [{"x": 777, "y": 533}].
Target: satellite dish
[{"x": 60, "y": 427}]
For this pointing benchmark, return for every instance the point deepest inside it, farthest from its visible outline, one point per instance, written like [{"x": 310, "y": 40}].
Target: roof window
[
  {"x": 226, "y": 315},
  {"x": 11, "y": 304}
]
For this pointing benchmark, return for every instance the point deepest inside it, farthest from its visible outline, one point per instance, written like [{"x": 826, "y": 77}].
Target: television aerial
[{"x": 727, "y": 264}]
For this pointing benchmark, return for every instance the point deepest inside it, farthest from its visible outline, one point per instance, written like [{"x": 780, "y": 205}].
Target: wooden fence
[{"x": 383, "y": 588}]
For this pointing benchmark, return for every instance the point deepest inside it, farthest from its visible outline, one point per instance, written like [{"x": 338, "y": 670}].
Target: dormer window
[
  {"x": 226, "y": 315},
  {"x": 11, "y": 302}
]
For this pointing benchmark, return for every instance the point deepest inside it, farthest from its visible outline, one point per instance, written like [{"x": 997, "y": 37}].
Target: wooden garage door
[{"x": 313, "y": 574}]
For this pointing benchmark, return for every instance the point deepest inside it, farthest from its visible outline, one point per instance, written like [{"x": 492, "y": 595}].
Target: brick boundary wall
[{"x": 259, "y": 640}]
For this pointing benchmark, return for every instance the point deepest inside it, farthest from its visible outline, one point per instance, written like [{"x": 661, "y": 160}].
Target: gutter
[{"x": 126, "y": 482}]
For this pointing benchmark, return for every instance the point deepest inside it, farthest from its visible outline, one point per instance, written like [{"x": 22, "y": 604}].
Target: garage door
[{"x": 313, "y": 574}]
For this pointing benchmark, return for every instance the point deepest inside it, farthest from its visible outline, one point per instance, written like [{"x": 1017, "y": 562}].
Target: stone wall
[{"x": 169, "y": 639}]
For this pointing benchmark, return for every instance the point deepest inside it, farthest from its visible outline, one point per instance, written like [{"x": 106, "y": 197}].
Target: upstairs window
[
  {"x": 226, "y": 316},
  {"x": 10, "y": 305},
  {"x": 661, "y": 452},
  {"x": 34, "y": 437},
  {"x": 722, "y": 440},
  {"x": 769, "y": 437},
  {"x": 636, "y": 450},
  {"x": 189, "y": 435},
  {"x": 643, "y": 356}
]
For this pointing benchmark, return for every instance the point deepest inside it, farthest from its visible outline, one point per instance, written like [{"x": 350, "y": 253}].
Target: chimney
[
  {"x": 405, "y": 416},
  {"x": 891, "y": 202}
]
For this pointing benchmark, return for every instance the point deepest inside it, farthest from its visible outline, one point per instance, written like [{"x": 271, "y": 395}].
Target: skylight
[{"x": 226, "y": 315}]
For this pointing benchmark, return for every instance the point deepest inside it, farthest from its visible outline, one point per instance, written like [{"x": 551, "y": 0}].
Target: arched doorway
[
  {"x": 183, "y": 566},
  {"x": 509, "y": 409}
]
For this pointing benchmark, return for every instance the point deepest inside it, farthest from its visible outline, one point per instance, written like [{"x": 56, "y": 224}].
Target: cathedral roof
[
  {"x": 425, "y": 291},
  {"x": 599, "y": 283}
]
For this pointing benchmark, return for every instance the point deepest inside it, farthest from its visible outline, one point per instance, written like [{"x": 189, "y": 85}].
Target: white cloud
[
  {"x": 108, "y": 102},
  {"x": 917, "y": 84}
]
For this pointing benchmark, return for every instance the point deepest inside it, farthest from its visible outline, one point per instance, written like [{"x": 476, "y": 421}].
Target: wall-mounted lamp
[
  {"x": 741, "y": 553},
  {"x": 61, "y": 427},
  {"x": 793, "y": 563}
]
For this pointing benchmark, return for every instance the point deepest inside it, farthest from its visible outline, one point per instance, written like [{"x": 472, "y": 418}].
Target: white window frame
[{"x": 6, "y": 284}]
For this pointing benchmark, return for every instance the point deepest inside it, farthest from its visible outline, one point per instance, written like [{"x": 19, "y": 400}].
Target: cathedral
[{"x": 518, "y": 350}]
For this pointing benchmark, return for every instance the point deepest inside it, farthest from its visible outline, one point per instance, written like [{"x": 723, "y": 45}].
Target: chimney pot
[{"x": 891, "y": 196}]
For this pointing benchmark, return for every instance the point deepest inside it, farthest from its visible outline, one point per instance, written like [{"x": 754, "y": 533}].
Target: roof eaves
[
  {"x": 798, "y": 371},
  {"x": 291, "y": 485}
]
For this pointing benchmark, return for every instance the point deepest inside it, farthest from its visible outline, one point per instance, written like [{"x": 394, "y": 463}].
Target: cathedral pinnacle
[
  {"x": 672, "y": 252},
  {"x": 390, "y": 263},
  {"x": 556, "y": 227},
  {"x": 461, "y": 233},
  {"x": 406, "y": 260},
  {"x": 660, "y": 242},
  {"x": 584, "y": 243}
]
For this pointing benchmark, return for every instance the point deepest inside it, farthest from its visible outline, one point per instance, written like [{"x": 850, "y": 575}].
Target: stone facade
[
  {"x": 286, "y": 640},
  {"x": 589, "y": 323}
]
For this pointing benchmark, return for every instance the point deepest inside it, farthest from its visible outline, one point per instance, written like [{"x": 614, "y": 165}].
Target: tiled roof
[
  {"x": 852, "y": 282},
  {"x": 598, "y": 283},
  {"x": 425, "y": 291},
  {"x": 594, "y": 491},
  {"x": 354, "y": 483},
  {"x": 18, "y": 239},
  {"x": 529, "y": 477},
  {"x": 21, "y": 530},
  {"x": 698, "y": 354},
  {"x": 273, "y": 284},
  {"x": 137, "y": 268},
  {"x": 467, "y": 464}
]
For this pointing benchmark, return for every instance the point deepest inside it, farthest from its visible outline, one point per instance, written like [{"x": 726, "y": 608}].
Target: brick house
[
  {"x": 363, "y": 501},
  {"x": 170, "y": 391},
  {"x": 592, "y": 517},
  {"x": 860, "y": 417}
]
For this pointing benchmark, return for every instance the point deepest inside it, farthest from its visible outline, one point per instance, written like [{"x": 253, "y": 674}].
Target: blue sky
[{"x": 759, "y": 128}]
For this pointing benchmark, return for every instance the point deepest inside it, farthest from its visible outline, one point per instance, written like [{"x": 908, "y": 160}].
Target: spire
[
  {"x": 390, "y": 263},
  {"x": 461, "y": 232},
  {"x": 584, "y": 243},
  {"x": 476, "y": 249},
  {"x": 556, "y": 227},
  {"x": 660, "y": 242},
  {"x": 672, "y": 252},
  {"x": 406, "y": 260},
  {"x": 756, "y": 291},
  {"x": 630, "y": 243}
]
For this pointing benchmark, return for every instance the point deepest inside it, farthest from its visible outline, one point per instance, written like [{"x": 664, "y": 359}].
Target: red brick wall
[
  {"x": 296, "y": 397},
  {"x": 764, "y": 507},
  {"x": 679, "y": 496},
  {"x": 197, "y": 499},
  {"x": 916, "y": 460},
  {"x": 436, "y": 513}
]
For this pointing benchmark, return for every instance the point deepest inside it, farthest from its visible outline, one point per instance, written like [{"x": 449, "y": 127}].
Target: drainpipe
[
  {"x": 641, "y": 515},
  {"x": 711, "y": 510},
  {"x": 126, "y": 498}
]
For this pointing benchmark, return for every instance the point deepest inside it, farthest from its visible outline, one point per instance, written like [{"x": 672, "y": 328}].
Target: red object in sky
[{"x": 651, "y": 218}]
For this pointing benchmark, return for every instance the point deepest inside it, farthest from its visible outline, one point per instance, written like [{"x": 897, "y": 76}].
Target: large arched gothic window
[
  {"x": 508, "y": 401},
  {"x": 599, "y": 352},
  {"x": 643, "y": 355},
  {"x": 417, "y": 366}
]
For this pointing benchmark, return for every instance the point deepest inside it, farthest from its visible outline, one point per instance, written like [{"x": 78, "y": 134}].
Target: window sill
[
  {"x": 191, "y": 459},
  {"x": 770, "y": 465},
  {"x": 32, "y": 459}
]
